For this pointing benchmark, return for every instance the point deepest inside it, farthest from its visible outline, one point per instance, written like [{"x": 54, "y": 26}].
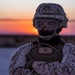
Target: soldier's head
[{"x": 49, "y": 20}]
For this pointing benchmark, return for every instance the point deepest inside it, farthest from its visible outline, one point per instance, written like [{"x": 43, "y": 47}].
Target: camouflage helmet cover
[{"x": 51, "y": 10}]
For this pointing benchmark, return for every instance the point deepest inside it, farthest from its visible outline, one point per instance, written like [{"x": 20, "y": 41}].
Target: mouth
[{"x": 46, "y": 32}]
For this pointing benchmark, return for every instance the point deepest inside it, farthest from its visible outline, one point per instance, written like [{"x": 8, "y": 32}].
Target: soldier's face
[{"x": 49, "y": 25}]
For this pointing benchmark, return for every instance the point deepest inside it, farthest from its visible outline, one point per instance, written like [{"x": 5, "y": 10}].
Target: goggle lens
[{"x": 49, "y": 24}]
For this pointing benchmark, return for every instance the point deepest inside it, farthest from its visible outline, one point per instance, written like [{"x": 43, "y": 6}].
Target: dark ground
[{"x": 17, "y": 40}]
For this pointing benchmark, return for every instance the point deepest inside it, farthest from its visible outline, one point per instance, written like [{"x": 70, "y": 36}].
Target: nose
[{"x": 44, "y": 28}]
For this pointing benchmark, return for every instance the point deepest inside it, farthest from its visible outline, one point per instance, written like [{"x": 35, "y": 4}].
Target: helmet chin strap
[{"x": 49, "y": 36}]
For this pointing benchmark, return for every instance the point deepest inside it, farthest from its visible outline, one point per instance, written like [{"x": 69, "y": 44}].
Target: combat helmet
[{"x": 51, "y": 10}]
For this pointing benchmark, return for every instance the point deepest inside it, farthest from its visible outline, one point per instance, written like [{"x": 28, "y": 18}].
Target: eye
[
  {"x": 51, "y": 23},
  {"x": 40, "y": 23}
]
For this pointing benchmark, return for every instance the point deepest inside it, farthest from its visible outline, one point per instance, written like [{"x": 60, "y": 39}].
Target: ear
[{"x": 33, "y": 22}]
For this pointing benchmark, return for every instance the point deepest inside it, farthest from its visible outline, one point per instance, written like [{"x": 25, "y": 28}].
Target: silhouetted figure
[{"x": 49, "y": 55}]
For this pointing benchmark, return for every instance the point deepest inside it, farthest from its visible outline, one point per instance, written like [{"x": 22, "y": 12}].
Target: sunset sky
[{"x": 16, "y": 16}]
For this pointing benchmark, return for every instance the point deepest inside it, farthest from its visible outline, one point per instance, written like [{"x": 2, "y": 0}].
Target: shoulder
[
  {"x": 68, "y": 52},
  {"x": 18, "y": 57},
  {"x": 68, "y": 47},
  {"x": 22, "y": 49}
]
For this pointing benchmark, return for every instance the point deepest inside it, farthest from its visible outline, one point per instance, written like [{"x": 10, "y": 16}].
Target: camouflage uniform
[
  {"x": 65, "y": 67},
  {"x": 55, "y": 15}
]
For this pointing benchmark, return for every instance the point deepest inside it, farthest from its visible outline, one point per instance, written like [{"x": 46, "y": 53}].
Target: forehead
[{"x": 46, "y": 20}]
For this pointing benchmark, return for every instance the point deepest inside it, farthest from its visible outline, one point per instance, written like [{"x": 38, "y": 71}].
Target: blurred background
[{"x": 16, "y": 26}]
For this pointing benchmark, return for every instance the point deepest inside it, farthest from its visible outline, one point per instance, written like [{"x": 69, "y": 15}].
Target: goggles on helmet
[
  {"x": 51, "y": 24},
  {"x": 50, "y": 11}
]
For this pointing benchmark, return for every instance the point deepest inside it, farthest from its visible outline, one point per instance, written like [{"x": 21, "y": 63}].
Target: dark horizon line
[
  {"x": 18, "y": 35},
  {"x": 30, "y": 35}
]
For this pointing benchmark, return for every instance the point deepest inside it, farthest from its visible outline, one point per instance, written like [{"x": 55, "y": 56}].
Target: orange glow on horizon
[
  {"x": 17, "y": 27},
  {"x": 26, "y": 27}
]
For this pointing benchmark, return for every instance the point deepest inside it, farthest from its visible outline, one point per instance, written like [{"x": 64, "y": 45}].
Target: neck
[{"x": 53, "y": 41}]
